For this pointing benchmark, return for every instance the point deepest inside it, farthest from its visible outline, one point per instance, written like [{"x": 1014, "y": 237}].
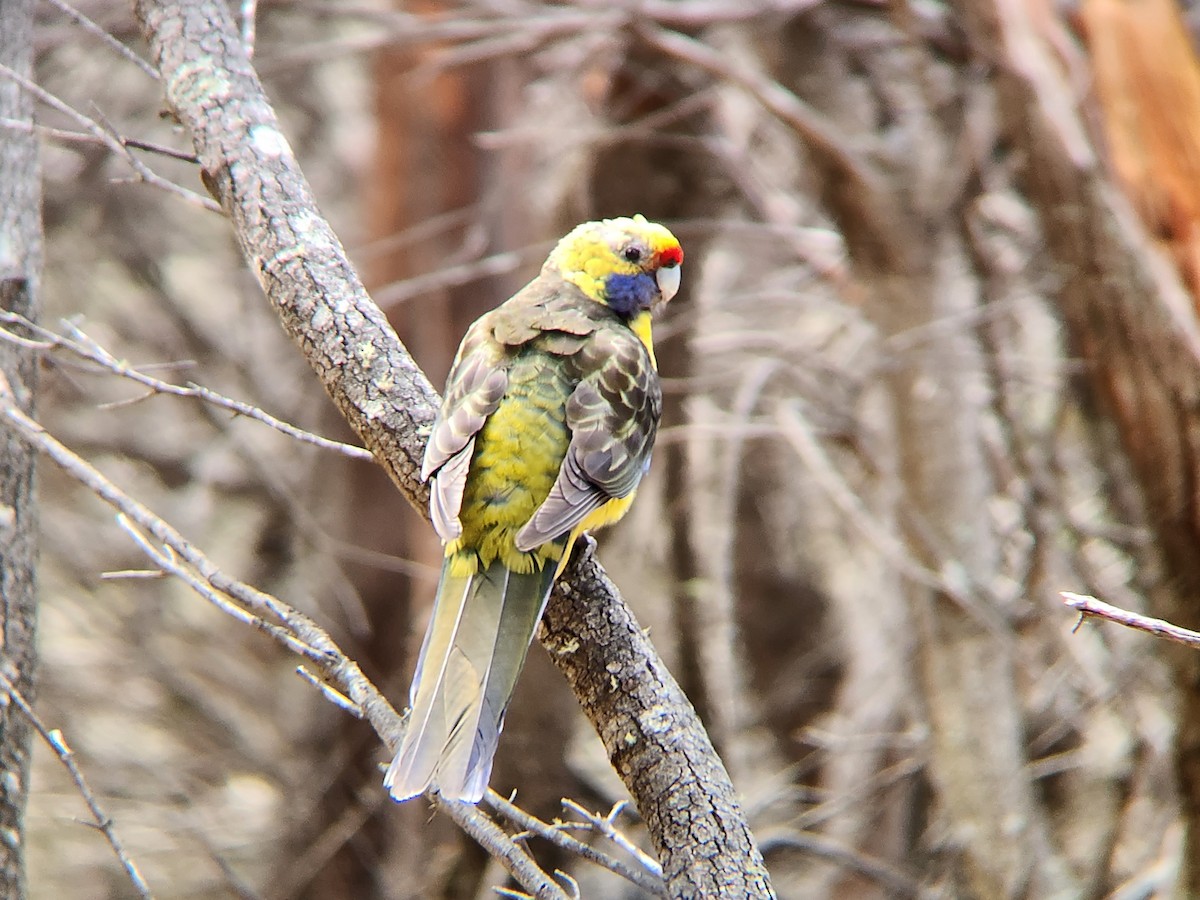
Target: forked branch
[{"x": 651, "y": 732}]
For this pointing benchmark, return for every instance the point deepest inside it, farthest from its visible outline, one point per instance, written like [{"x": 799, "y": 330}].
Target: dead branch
[
  {"x": 511, "y": 854},
  {"x": 647, "y": 875},
  {"x": 66, "y": 136},
  {"x": 103, "y": 821},
  {"x": 80, "y": 344},
  {"x": 1088, "y": 606},
  {"x": 291, "y": 628},
  {"x": 110, "y": 139},
  {"x": 651, "y": 732},
  {"x": 92, "y": 28},
  {"x": 606, "y": 825}
]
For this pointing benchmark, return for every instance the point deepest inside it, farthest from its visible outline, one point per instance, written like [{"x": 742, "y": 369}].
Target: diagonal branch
[
  {"x": 1089, "y": 607},
  {"x": 100, "y": 819},
  {"x": 647, "y": 878},
  {"x": 297, "y": 632},
  {"x": 107, "y": 137},
  {"x": 85, "y": 348},
  {"x": 651, "y": 732}
]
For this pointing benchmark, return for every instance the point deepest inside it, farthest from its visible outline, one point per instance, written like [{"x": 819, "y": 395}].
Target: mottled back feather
[
  {"x": 612, "y": 412},
  {"x": 546, "y": 428}
]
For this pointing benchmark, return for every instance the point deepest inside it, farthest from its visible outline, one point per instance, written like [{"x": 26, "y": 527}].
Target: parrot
[{"x": 546, "y": 427}]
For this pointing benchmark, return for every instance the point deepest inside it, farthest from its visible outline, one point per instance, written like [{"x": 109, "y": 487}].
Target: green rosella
[{"x": 546, "y": 428}]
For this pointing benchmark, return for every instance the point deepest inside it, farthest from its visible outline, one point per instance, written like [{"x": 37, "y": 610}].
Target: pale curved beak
[{"x": 668, "y": 281}]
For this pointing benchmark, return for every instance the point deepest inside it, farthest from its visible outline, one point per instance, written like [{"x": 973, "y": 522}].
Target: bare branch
[
  {"x": 107, "y": 39},
  {"x": 297, "y": 631},
  {"x": 1089, "y": 606},
  {"x": 651, "y": 732},
  {"x": 648, "y": 877},
  {"x": 103, "y": 821},
  {"x": 249, "y": 14},
  {"x": 109, "y": 139},
  {"x": 168, "y": 562},
  {"x": 606, "y": 825},
  {"x": 79, "y": 137},
  {"x": 86, "y": 348},
  {"x": 511, "y": 855},
  {"x": 333, "y": 696}
]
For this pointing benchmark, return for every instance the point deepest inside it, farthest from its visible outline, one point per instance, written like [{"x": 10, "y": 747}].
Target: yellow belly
[
  {"x": 517, "y": 456},
  {"x": 518, "y": 453}
]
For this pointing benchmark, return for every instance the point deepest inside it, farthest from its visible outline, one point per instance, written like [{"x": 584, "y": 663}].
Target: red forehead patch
[{"x": 671, "y": 256}]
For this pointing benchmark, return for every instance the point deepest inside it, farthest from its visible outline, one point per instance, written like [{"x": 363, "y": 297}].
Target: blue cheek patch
[{"x": 628, "y": 295}]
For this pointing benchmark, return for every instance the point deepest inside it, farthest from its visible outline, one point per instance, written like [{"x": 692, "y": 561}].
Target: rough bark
[
  {"x": 20, "y": 265},
  {"x": 653, "y": 739},
  {"x": 249, "y": 167}
]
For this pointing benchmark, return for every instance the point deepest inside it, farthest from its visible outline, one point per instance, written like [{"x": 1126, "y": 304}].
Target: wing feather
[
  {"x": 476, "y": 386},
  {"x": 613, "y": 417}
]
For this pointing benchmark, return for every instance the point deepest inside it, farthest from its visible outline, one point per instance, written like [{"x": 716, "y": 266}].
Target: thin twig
[
  {"x": 132, "y": 575},
  {"x": 558, "y": 873},
  {"x": 336, "y": 697},
  {"x": 606, "y": 825},
  {"x": 107, "y": 39},
  {"x": 169, "y": 563},
  {"x": 299, "y": 633},
  {"x": 1089, "y": 606},
  {"x": 85, "y": 347},
  {"x": 511, "y": 855},
  {"x": 55, "y": 740},
  {"x": 249, "y": 13},
  {"x": 647, "y": 877},
  {"x": 112, "y": 141},
  {"x": 25, "y": 342},
  {"x": 79, "y": 137},
  {"x": 151, "y": 147}
]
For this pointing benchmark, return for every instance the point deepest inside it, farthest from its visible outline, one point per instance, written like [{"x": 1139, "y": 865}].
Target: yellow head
[{"x": 630, "y": 265}]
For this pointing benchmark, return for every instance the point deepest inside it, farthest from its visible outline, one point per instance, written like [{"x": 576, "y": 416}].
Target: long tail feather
[{"x": 472, "y": 654}]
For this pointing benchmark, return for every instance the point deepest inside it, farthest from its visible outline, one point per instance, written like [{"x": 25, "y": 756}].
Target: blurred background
[{"x": 935, "y": 359}]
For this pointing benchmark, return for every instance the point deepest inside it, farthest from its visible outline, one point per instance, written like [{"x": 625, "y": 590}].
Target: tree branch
[
  {"x": 174, "y": 554},
  {"x": 85, "y": 348},
  {"x": 109, "y": 138},
  {"x": 652, "y": 734},
  {"x": 1089, "y": 606},
  {"x": 103, "y": 821},
  {"x": 646, "y": 876}
]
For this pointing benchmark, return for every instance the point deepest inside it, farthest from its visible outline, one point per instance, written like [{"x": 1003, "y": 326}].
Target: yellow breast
[{"x": 517, "y": 457}]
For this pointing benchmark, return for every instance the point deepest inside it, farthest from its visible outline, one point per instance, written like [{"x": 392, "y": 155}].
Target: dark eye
[{"x": 632, "y": 254}]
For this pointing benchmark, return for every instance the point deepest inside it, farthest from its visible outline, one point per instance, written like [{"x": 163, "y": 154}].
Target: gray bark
[
  {"x": 20, "y": 264},
  {"x": 670, "y": 767}
]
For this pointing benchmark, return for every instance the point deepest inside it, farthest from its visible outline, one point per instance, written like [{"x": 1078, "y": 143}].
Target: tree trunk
[{"x": 20, "y": 266}]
